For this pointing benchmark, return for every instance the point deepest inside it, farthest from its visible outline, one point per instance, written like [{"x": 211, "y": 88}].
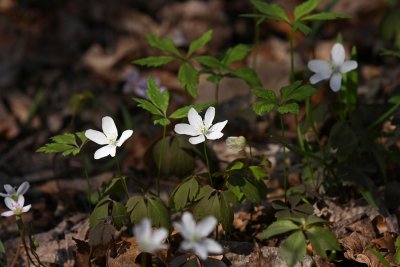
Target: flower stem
[
  {"x": 28, "y": 251},
  {"x": 123, "y": 181},
  {"x": 163, "y": 143},
  {"x": 207, "y": 162},
  {"x": 284, "y": 159}
]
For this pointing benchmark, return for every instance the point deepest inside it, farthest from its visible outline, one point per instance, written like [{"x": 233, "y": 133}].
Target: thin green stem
[
  {"x": 123, "y": 181},
  {"x": 160, "y": 158},
  {"x": 284, "y": 158},
  {"x": 207, "y": 162}
]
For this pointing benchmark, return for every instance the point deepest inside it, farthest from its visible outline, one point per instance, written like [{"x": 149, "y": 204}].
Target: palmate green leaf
[
  {"x": 248, "y": 75},
  {"x": 236, "y": 53},
  {"x": 147, "y": 105},
  {"x": 158, "y": 213},
  {"x": 322, "y": 240},
  {"x": 326, "y": 16},
  {"x": 289, "y": 108},
  {"x": 278, "y": 227},
  {"x": 189, "y": 78},
  {"x": 163, "y": 44},
  {"x": 157, "y": 98},
  {"x": 305, "y": 8},
  {"x": 184, "y": 193},
  {"x": 200, "y": 42},
  {"x": 154, "y": 61},
  {"x": 183, "y": 112},
  {"x": 293, "y": 248},
  {"x": 272, "y": 11},
  {"x": 211, "y": 62}
]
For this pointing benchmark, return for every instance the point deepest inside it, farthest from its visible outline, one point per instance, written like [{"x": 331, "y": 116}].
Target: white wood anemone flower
[
  {"x": 332, "y": 70},
  {"x": 15, "y": 207},
  {"x": 195, "y": 235},
  {"x": 150, "y": 241},
  {"x": 11, "y": 192},
  {"x": 108, "y": 138},
  {"x": 200, "y": 129}
]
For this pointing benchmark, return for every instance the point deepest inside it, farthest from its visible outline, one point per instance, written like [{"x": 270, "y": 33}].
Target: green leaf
[
  {"x": 293, "y": 248},
  {"x": 163, "y": 44},
  {"x": 288, "y": 90},
  {"x": 305, "y": 8},
  {"x": 154, "y": 61},
  {"x": 299, "y": 94},
  {"x": 258, "y": 173},
  {"x": 265, "y": 94},
  {"x": 67, "y": 138},
  {"x": 380, "y": 257},
  {"x": 279, "y": 227},
  {"x": 162, "y": 121},
  {"x": 208, "y": 205},
  {"x": 326, "y": 16},
  {"x": 302, "y": 27},
  {"x": 227, "y": 200},
  {"x": 236, "y": 53},
  {"x": 200, "y": 42},
  {"x": 100, "y": 212},
  {"x": 189, "y": 78},
  {"x": 184, "y": 193},
  {"x": 82, "y": 137},
  {"x": 183, "y": 112},
  {"x": 211, "y": 62},
  {"x": 248, "y": 75},
  {"x": 147, "y": 105},
  {"x": 137, "y": 209},
  {"x": 157, "y": 98},
  {"x": 158, "y": 213},
  {"x": 272, "y": 11},
  {"x": 310, "y": 220},
  {"x": 119, "y": 215},
  {"x": 260, "y": 107},
  {"x": 58, "y": 148},
  {"x": 322, "y": 240},
  {"x": 289, "y": 108}
]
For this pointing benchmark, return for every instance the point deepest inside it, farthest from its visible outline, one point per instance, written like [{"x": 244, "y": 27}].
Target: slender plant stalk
[
  {"x": 163, "y": 143},
  {"x": 285, "y": 178},
  {"x": 28, "y": 250},
  {"x": 17, "y": 253},
  {"x": 207, "y": 162},
  {"x": 123, "y": 181}
]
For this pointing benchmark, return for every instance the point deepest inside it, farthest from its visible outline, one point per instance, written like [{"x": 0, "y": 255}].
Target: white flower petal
[
  {"x": 320, "y": 66},
  {"x": 213, "y": 246},
  {"x": 124, "y": 136},
  {"x": 186, "y": 245},
  {"x": 200, "y": 251},
  {"x": 10, "y": 203},
  {"x": 104, "y": 151},
  {"x": 7, "y": 213},
  {"x": 109, "y": 128},
  {"x": 9, "y": 189},
  {"x": 113, "y": 151},
  {"x": 337, "y": 54},
  {"x": 187, "y": 129},
  {"x": 348, "y": 66},
  {"x": 218, "y": 126},
  {"x": 195, "y": 119},
  {"x": 4, "y": 195},
  {"x": 21, "y": 200},
  {"x": 23, "y": 188},
  {"x": 206, "y": 226},
  {"x": 26, "y": 208},
  {"x": 96, "y": 136},
  {"x": 318, "y": 77},
  {"x": 214, "y": 135},
  {"x": 336, "y": 82},
  {"x": 209, "y": 117},
  {"x": 159, "y": 235},
  {"x": 188, "y": 222},
  {"x": 197, "y": 140}
]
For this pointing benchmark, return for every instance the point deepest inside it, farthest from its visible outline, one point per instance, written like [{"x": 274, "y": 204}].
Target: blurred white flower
[
  {"x": 201, "y": 129},
  {"x": 332, "y": 70},
  {"x": 11, "y": 192},
  {"x": 148, "y": 240},
  {"x": 15, "y": 207},
  {"x": 235, "y": 144},
  {"x": 195, "y": 236},
  {"x": 108, "y": 137}
]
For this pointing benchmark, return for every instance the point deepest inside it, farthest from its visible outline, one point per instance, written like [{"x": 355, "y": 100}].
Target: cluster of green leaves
[
  {"x": 218, "y": 68},
  {"x": 67, "y": 144},
  {"x": 158, "y": 102},
  {"x": 291, "y": 95},
  {"x": 106, "y": 208},
  {"x": 302, "y": 231},
  {"x": 187, "y": 74},
  {"x": 302, "y": 14}
]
